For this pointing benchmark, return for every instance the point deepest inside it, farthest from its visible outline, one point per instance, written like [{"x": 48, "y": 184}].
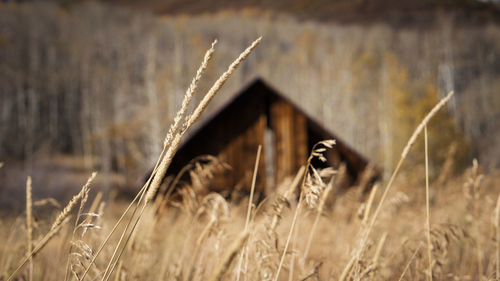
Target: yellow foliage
[{"x": 411, "y": 101}]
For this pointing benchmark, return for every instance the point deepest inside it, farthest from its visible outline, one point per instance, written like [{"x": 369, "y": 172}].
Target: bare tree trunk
[{"x": 155, "y": 133}]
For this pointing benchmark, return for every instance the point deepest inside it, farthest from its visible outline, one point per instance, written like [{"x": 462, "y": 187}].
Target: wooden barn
[{"x": 257, "y": 115}]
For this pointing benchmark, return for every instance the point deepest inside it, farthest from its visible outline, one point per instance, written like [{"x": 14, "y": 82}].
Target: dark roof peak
[{"x": 260, "y": 88}]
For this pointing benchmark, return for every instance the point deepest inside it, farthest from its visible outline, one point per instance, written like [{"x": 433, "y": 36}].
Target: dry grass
[
  {"x": 205, "y": 240},
  {"x": 61, "y": 219},
  {"x": 293, "y": 234},
  {"x": 29, "y": 224}
]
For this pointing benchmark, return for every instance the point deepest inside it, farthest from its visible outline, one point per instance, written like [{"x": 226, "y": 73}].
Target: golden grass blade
[
  {"x": 369, "y": 204},
  {"x": 288, "y": 239},
  {"x": 418, "y": 130},
  {"x": 293, "y": 253},
  {"x": 118, "y": 272},
  {"x": 75, "y": 226},
  {"x": 189, "y": 95},
  {"x": 218, "y": 84},
  {"x": 105, "y": 241},
  {"x": 409, "y": 262},
  {"x": 252, "y": 189},
  {"x": 38, "y": 247},
  {"x": 112, "y": 264},
  {"x": 122, "y": 236},
  {"x": 497, "y": 242},
  {"x": 379, "y": 250},
  {"x": 47, "y": 201},
  {"x": 427, "y": 207},
  {"x": 224, "y": 265},
  {"x": 71, "y": 205},
  {"x": 249, "y": 209},
  {"x": 96, "y": 202},
  {"x": 29, "y": 225},
  {"x": 424, "y": 122}
]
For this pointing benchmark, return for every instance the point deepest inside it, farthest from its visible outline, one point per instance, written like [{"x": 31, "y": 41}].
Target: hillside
[{"x": 394, "y": 12}]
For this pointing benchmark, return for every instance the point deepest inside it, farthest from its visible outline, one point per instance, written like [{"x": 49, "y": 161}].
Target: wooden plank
[
  {"x": 276, "y": 126},
  {"x": 259, "y": 140},
  {"x": 300, "y": 149},
  {"x": 290, "y": 128}
]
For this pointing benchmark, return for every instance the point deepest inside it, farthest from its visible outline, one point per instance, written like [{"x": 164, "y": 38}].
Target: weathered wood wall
[
  {"x": 290, "y": 134},
  {"x": 240, "y": 154}
]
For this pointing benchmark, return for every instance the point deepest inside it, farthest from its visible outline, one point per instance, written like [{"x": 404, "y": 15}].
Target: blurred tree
[
  {"x": 412, "y": 100},
  {"x": 103, "y": 82}
]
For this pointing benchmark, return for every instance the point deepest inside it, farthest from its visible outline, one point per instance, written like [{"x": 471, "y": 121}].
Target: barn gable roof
[{"x": 260, "y": 89}]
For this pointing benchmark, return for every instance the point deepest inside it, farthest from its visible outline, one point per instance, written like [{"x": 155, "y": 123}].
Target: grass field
[
  {"x": 407, "y": 228},
  {"x": 193, "y": 239}
]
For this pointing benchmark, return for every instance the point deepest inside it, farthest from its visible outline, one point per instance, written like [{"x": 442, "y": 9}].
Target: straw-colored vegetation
[
  {"x": 410, "y": 228},
  {"x": 359, "y": 237}
]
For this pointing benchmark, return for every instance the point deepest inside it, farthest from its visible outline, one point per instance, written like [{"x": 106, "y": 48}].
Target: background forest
[
  {"x": 91, "y": 88},
  {"x": 101, "y": 82}
]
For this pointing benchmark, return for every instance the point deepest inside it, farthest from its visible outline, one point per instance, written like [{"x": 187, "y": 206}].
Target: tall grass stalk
[
  {"x": 427, "y": 207},
  {"x": 54, "y": 229},
  {"x": 252, "y": 189},
  {"x": 328, "y": 144},
  {"x": 375, "y": 261},
  {"x": 189, "y": 95},
  {"x": 29, "y": 225},
  {"x": 356, "y": 256},
  {"x": 497, "y": 242},
  {"x": 75, "y": 227},
  {"x": 112, "y": 264},
  {"x": 316, "y": 219},
  {"x": 139, "y": 195},
  {"x": 409, "y": 262},
  {"x": 39, "y": 246},
  {"x": 249, "y": 209},
  {"x": 293, "y": 252},
  {"x": 292, "y": 227},
  {"x": 369, "y": 204},
  {"x": 72, "y": 203}
]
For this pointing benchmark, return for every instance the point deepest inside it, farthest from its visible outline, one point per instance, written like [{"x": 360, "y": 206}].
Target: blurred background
[{"x": 93, "y": 85}]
